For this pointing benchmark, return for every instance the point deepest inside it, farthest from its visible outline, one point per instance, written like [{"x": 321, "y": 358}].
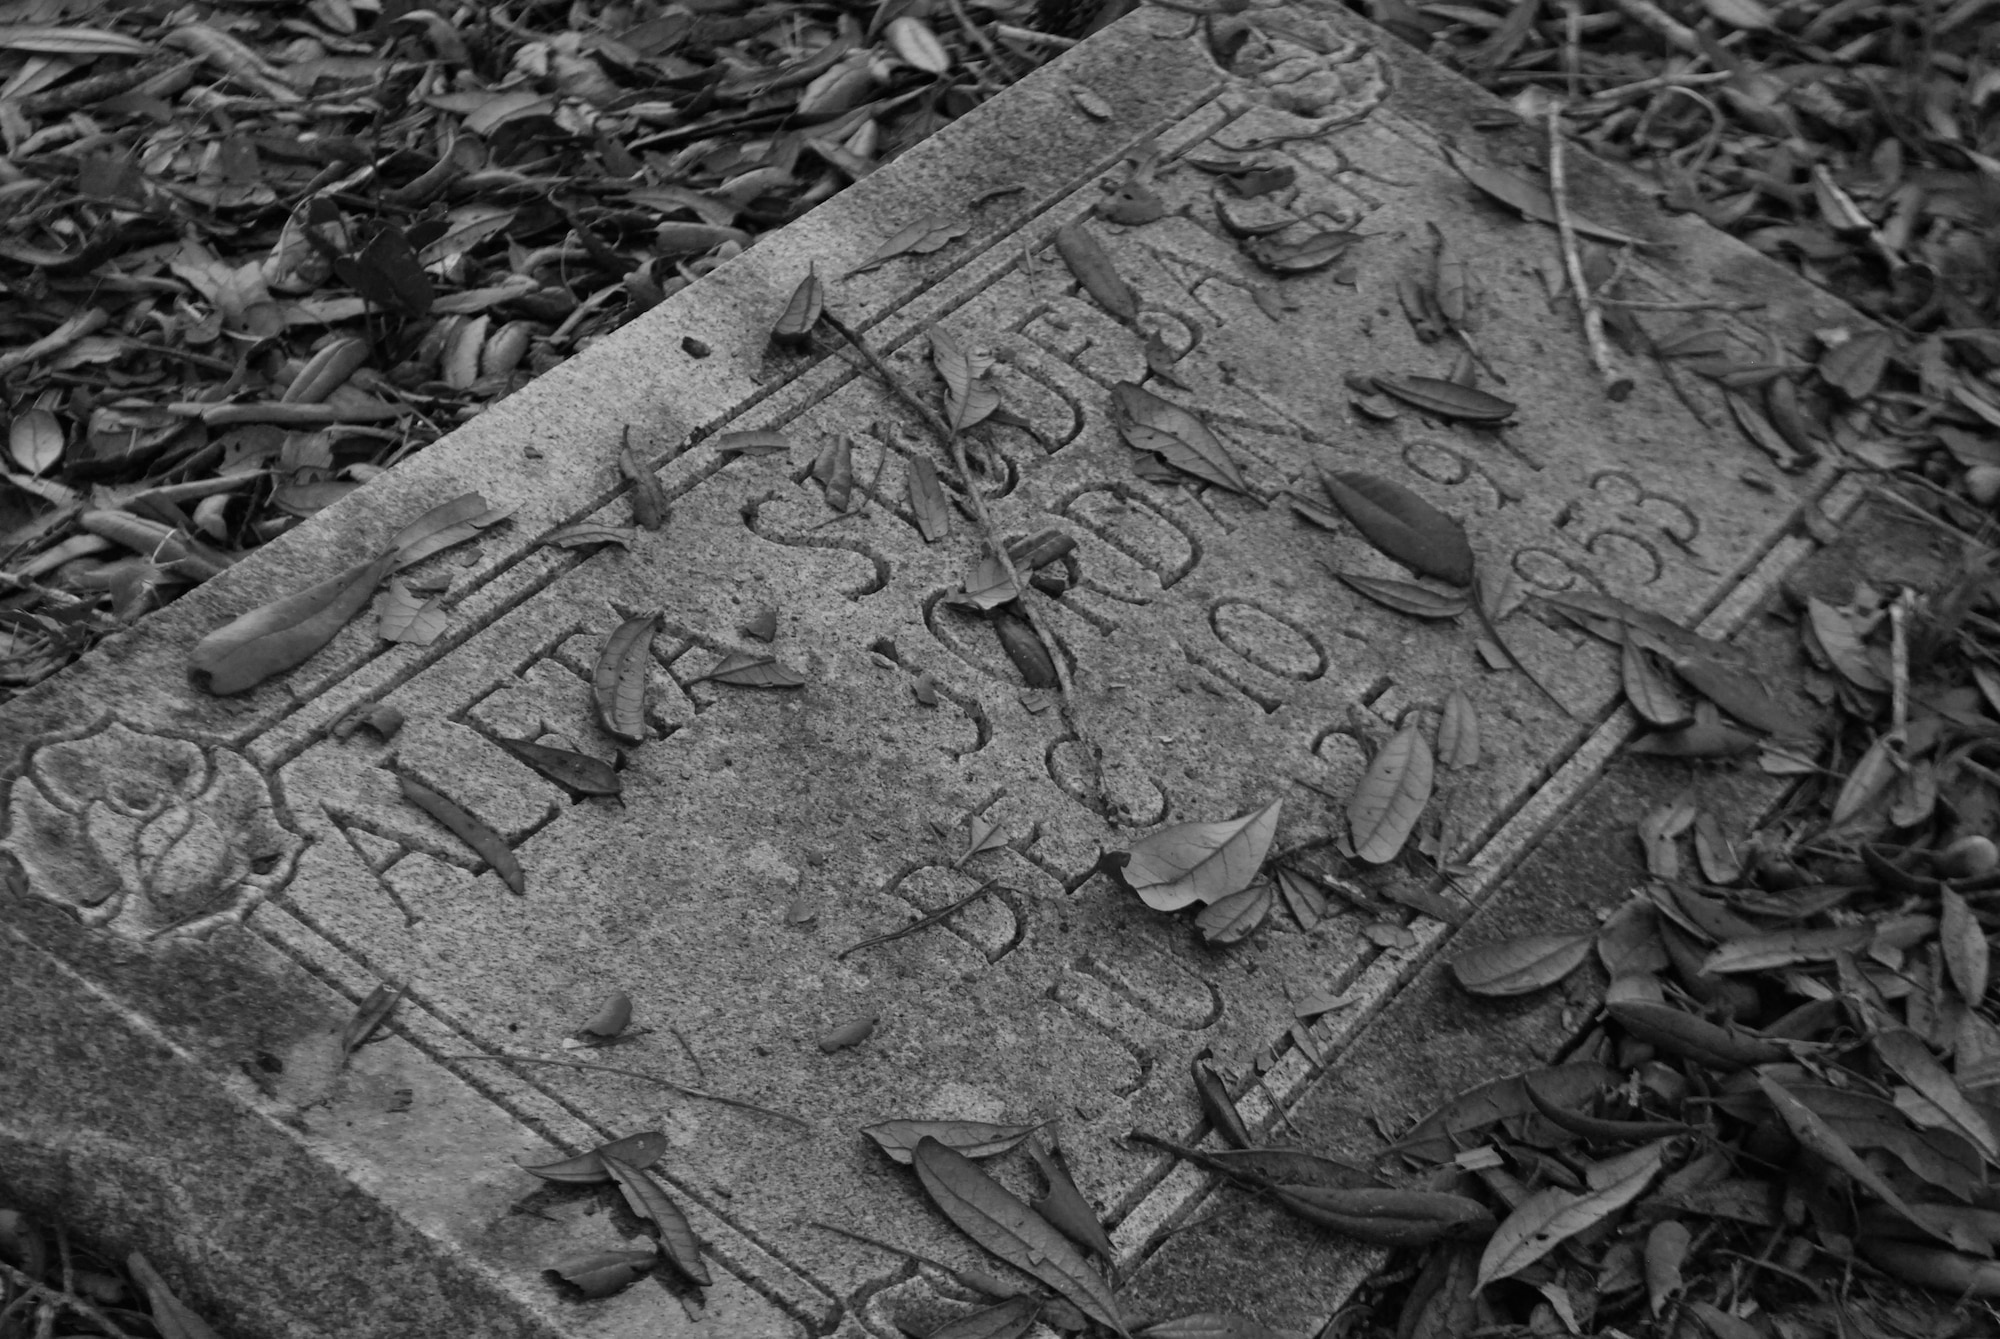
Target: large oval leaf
[
  {"x": 987, "y": 1213},
  {"x": 618, "y": 683},
  {"x": 1402, "y": 525},
  {"x": 1518, "y": 966},
  {"x": 1391, "y": 796},
  {"x": 275, "y": 637},
  {"x": 1553, "y": 1215},
  {"x": 1201, "y": 862},
  {"x": 677, "y": 1239}
]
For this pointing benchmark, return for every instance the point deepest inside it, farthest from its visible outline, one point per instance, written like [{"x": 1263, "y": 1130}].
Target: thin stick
[
  {"x": 914, "y": 926},
  {"x": 1648, "y": 305},
  {"x": 1616, "y": 386},
  {"x": 1033, "y": 38},
  {"x": 1899, "y": 664},
  {"x": 62, "y": 1299},
  {"x": 683, "y": 1089},
  {"x": 949, "y": 435},
  {"x": 64, "y": 335}
]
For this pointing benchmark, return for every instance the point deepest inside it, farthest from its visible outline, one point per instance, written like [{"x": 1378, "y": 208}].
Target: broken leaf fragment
[
  {"x": 922, "y": 237},
  {"x": 1009, "y": 1319},
  {"x": 972, "y": 1138},
  {"x": 1201, "y": 862},
  {"x": 444, "y": 525},
  {"x": 1065, "y": 1207},
  {"x": 987, "y": 1213},
  {"x": 285, "y": 633},
  {"x": 369, "y": 1017},
  {"x": 618, "y": 682},
  {"x": 1402, "y": 525},
  {"x": 1458, "y": 732},
  {"x": 1229, "y": 919},
  {"x": 610, "y": 1019},
  {"x": 490, "y": 845},
  {"x": 1405, "y": 597},
  {"x": 927, "y": 501},
  {"x": 1531, "y": 199},
  {"x": 649, "y": 500},
  {"x": 602, "y": 1273}
]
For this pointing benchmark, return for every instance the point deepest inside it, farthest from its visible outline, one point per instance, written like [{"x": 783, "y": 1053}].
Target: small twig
[
  {"x": 1033, "y": 38},
  {"x": 64, "y": 335},
  {"x": 62, "y": 1298},
  {"x": 914, "y": 926},
  {"x": 1648, "y": 305},
  {"x": 1662, "y": 81},
  {"x": 1616, "y": 385},
  {"x": 1657, "y": 21},
  {"x": 683, "y": 1089},
  {"x": 1899, "y": 663}
]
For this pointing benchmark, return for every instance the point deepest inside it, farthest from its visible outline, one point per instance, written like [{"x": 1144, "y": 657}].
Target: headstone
[{"x": 206, "y": 888}]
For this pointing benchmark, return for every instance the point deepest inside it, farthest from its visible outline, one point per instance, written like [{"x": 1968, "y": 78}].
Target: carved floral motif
[{"x": 146, "y": 835}]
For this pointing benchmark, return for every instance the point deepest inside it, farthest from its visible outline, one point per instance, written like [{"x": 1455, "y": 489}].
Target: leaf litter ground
[{"x": 1796, "y": 1053}]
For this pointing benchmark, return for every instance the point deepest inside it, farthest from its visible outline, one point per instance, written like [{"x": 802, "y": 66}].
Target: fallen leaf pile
[
  {"x": 254, "y": 257},
  {"x": 47, "y": 1277}
]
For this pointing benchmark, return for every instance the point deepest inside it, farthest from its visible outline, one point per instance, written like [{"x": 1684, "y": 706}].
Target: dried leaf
[
  {"x": 620, "y": 679},
  {"x": 747, "y": 670},
  {"x": 645, "y": 1198},
  {"x": 173, "y": 1318},
  {"x": 1649, "y": 691},
  {"x": 970, "y": 397},
  {"x": 1967, "y": 952},
  {"x": 1217, "y": 1104},
  {"x": 1011, "y": 1230},
  {"x": 1435, "y": 1137},
  {"x": 1452, "y": 285},
  {"x": 1229, "y": 919},
  {"x": 1405, "y": 597},
  {"x": 753, "y": 442},
  {"x": 795, "y": 325},
  {"x": 1315, "y": 251},
  {"x": 634, "y": 1150},
  {"x": 1529, "y": 198},
  {"x": 851, "y": 1033},
  {"x": 578, "y": 771},
  {"x": 1390, "y": 797},
  {"x": 1905, "y": 1053},
  {"x": 1402, "y": 525},
  {"x": 586, "y": 533},
  {"x": 611, "y": 1018},
  {"x": 1209, "y": 1325},
  {"x": 927, "y": 501},
  {"x": 1855, "y": 367},
  {"x": 1703, "y": 739},
  {"x": 1666, "y": 1250},
  {"x": 1201, "y": 862},
  {"x": 285, "y": 633},
  {"x": 1786, "y": 948},
  {"x": 913, "y": 40},
  {"x": 1003, "y": 1320},
  {"x": 1814, "y": 1133},
  {"x": 404, "y": 617},
  {"x": 1149, "y": 423},
  {"x": 1869, "y": 780},
  {"x": 922, "y": 237},
  {"x": 1065, "y": 1206},
  {"x": 1395, "y": 1218},
  {"x": 835, "y": 471},
  {"x": 1303, "y": 896},
  {"x": 1091, "y": 264},
  {"x": 370, "y": 1015},
  {"x": 1553, "y": 1215},
  {"x": 35, "y": 440},
  {"x": 1519, "y": 966},
  {"x": 1682, "y": 1034},
  {"x": 1840, "y": 637},
  {"x": 1448, "y": 399},
  {"x": 489, "y": 845},
  {"x": 972, "y": 1138},
  {"x": 1458, "y": 732},
  {"x": 602, "y": 1273}
]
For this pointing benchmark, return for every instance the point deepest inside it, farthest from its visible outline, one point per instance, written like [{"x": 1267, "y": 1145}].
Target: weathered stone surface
[{"x": 218, "y": 882}]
